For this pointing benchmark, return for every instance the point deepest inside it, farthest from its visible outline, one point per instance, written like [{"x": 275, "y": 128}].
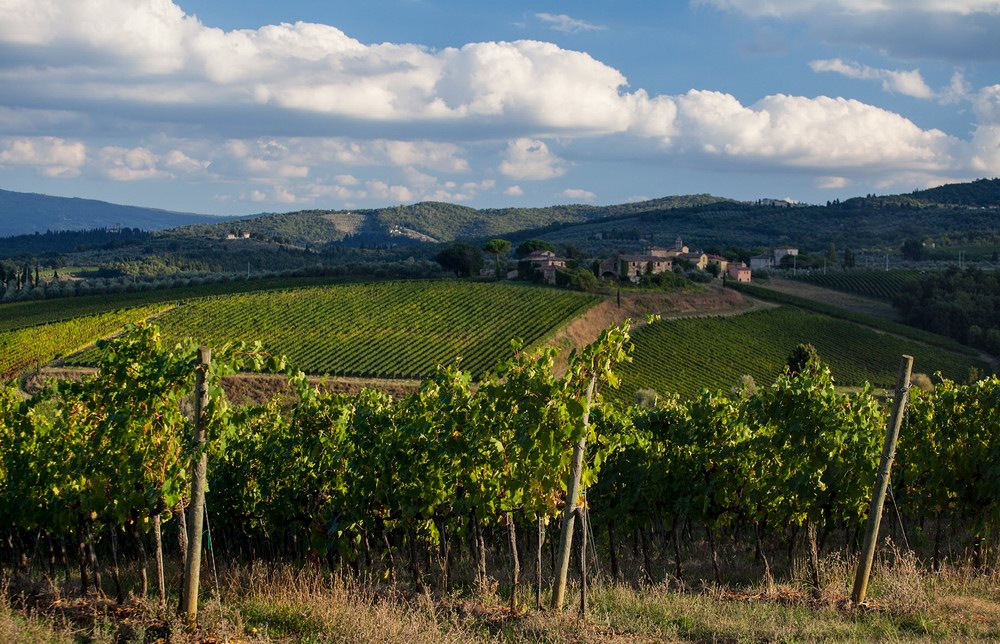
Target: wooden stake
[
  {"x": 515, "y": 573},
  {"x": 569, "y": 513},
  {"x": 192, "y": 572},
  {"x": 161, "y": 586},
  {"x": 882, "y": 481},
  {"x": 582, "y": 515},
  {"x": 538, "y": 563}
]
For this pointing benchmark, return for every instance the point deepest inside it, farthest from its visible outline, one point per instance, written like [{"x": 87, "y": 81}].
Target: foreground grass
[{"x": 289, "y": 604}]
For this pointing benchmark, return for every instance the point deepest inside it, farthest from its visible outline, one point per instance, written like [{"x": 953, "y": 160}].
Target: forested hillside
[{"x": 426, "y": 222}]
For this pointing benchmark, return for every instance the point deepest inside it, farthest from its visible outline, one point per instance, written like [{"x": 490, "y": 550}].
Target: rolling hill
[
  {"x": 702, "y": 220},
  {"x": 426, "y": 221}
]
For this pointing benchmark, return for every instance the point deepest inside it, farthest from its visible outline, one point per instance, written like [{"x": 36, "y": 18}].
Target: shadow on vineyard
[{"x": 456, "y": 512}]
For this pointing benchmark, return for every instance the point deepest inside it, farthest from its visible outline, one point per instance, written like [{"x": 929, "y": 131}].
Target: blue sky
[{"x": 229, "y": 107}]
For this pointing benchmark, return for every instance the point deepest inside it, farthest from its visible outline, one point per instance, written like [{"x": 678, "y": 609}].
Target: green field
[
  {"x": 882, "y": 285},
  {"x": 683, "y": 356},
  {"x": 386, "y": 329}
]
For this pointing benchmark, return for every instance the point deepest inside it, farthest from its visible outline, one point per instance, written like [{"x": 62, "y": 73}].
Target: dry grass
[{"x": 286, "y": 603}]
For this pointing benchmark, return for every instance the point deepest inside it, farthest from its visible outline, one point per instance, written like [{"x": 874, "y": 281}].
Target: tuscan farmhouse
[
  {"x": 545, "y": 262},
  {"x": 720, "y": 261},
  {"x": 698, "y": 260},
  {"x": 740, "y": 272},
  {"x": 633, "y": 267}
]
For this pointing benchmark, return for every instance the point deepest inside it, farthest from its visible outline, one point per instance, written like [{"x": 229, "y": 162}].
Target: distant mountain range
[
  {"x": 426, "y": 222},
  {"x": 25, "y": 213},
  {"x": 700, "y": 216}
]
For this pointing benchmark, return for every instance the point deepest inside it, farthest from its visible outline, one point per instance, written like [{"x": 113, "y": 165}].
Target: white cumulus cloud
[
  {"x": 908, "y": 82},
  {"x": 49, "y": 155},
  {"x": 129, "y": 164},
  {"x": 531, "y": 160},
  {"x": 579, "y": 194},
  {"x": 820, "y": 133}
]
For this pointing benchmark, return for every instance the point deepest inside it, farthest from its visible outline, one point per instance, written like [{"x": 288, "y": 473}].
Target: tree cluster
[{"x": 964, "y": 305}]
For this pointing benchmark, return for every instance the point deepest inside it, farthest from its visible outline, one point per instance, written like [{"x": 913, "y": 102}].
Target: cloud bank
[
  {"x": 958, "y": 30},
  {"x": 295, "y": 110}
]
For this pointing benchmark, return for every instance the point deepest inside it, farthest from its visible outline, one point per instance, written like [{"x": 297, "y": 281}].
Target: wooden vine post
[
  {"x": 882, "y": 481},
  {"x": 569, "y": 513},
  {"x": 192, "y": 572}
]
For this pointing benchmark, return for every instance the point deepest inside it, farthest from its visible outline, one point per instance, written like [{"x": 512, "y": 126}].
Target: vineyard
[
  {"x": 881, "y": 285},
  {"x": 396, "y": 489},
  {"x": 682, "y": 356},
  {"x": 876, "y": 323},
  {"x": 386, "y": 329},
  {"x": 20, "y": 315},
  {"x": 29, "y": 348}
]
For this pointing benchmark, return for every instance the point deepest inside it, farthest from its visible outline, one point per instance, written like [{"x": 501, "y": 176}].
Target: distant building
[
  {"x": 609, "y": 269},
  {"x": 546, "y": 263},
  {"x": 633, "y": 267},
  {"x": 776, "y": 203},
  {"x": 698, "y": 260},
  {"x": 740, "y": 272},
  {"x": 720, "y": 261},
  {"x": 759, "y": 262},
  {"x": 245, "y": 235},
  {"x": 781, "y": 252}
]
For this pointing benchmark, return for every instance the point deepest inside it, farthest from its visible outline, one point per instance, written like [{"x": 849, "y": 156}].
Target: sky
[{"x": 244, "y": 106}]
